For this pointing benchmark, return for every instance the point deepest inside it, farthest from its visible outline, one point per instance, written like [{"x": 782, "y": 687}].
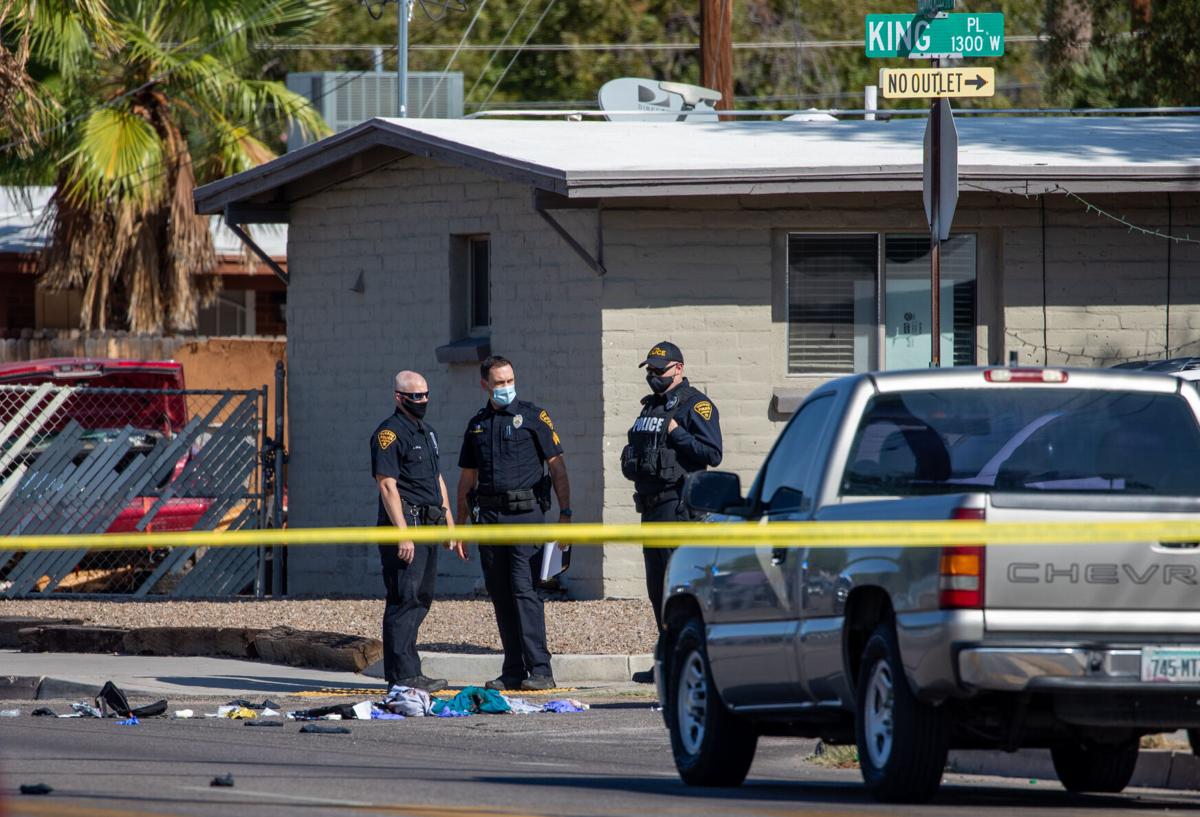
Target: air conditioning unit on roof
[{"x": 348, "y": 98}]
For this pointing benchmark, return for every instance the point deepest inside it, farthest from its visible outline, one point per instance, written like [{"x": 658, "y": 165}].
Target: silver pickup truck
[{"x": 910, "y": 652}]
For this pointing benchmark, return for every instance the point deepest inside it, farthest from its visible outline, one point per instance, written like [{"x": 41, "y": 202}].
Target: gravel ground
[{"x": 584, "y": 627}]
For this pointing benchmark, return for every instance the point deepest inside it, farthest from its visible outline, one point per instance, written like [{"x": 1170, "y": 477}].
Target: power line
[
  {"x": 445, "y": 71},
  {"x": 737, "y": 46},
  {"x": 496, "y": 50},
  {"x": 517, "y": 53}
]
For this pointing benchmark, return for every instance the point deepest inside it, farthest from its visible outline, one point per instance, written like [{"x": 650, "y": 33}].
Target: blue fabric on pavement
[
  {"x": 475, "y": 699},
  {"x": 560, "y": 706}
]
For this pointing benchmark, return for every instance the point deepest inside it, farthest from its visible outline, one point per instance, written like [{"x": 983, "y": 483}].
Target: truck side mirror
[{"x": 713, "y": 491}]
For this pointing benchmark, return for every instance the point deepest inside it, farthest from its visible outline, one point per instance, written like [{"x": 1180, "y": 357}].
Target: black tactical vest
[{"x": 647, "y": 460}]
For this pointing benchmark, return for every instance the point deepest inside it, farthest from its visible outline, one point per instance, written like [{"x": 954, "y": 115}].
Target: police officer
[
  {"x": 678, "y": 432},
  {"x": 506, "y": 450},
  {"x": 404, "y": 462}
]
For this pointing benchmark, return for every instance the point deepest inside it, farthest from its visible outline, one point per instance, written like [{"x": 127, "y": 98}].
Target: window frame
[
  {"x": 474, "y": 328},
  {"x": 881, "y": 237},
  {"x": 462, "y": 288}
]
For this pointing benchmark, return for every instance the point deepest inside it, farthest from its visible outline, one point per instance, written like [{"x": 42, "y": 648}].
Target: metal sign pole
[{"x": 935, "y": 229}]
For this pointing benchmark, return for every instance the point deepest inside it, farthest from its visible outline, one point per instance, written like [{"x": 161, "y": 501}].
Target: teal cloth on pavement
[{"x": 474, "y": 700}]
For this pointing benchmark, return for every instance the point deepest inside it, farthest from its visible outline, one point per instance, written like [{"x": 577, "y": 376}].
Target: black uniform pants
[
  {"x": 508, "y": 576},
  {"x": 657, "y": 558},
  {"x": 409, "y": 596}
]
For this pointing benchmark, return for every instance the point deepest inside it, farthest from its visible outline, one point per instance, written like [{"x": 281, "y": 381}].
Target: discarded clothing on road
[
  {"x": 242, "y": 702},
  {"x": 342, "y": 711},
  {"x": 568, "y": 705},
  {"x": 113, "y": 702},
  {"x": 320, "y": 729},
  {"x": 408, "y": 701},
  {"x": 473, "y": 700}
]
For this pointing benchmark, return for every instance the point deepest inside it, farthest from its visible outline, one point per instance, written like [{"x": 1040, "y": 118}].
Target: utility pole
[
  {"x": 404, "y": 12},
  {"x": 716, "y": 49}
]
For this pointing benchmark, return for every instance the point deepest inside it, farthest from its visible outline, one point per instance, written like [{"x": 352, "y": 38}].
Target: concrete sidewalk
[{"x": 68, "y": 675}]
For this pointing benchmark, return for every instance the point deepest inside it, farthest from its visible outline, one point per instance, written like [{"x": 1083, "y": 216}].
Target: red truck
[{"x": 157, "y": 416}]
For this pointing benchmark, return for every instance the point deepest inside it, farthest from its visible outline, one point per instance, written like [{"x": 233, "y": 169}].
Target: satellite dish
[{"x": 657, "y": 101}]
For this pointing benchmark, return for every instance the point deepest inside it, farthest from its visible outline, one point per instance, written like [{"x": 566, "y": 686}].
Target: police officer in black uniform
[
  {"x": 508, "y": 446},
  {"x": 678, "y": 432},
  {"x": 404, "y": 462}
]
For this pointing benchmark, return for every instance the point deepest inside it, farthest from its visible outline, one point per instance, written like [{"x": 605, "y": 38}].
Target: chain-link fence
[{"x": 75, "y": 459}]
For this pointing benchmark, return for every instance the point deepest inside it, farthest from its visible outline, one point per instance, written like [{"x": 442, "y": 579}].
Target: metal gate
[{"x": 75, "y": 459}]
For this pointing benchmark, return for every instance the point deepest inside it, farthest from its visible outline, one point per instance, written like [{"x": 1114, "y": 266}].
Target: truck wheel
[
  {"x": 712, "y": 746},
  {"x": 1194, "y": 741},
  {"x": 902, "y": 742},
  {"x": 1095, "y": 767}
]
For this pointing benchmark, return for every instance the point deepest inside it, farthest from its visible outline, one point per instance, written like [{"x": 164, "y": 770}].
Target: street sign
[
  {"x": 946, "y": 176},
  {"x": 937, "y": 83},
  {"x": 952, "y": 35}
]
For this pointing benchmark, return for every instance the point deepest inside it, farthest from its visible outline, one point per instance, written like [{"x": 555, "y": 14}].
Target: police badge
[{"x": 520, "y": 418}]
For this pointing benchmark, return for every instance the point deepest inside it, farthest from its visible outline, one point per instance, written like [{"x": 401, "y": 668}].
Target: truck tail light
[
  {"x": 961, "y": 570},
  {"x": 1025, "y": 376}
]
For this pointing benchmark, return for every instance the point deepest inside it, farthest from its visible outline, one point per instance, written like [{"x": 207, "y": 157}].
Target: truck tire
[
  {"x": 1095, "y": 767},
  {"x": 1194, "y": 741},
  {"x": 902, "y": 742},
  {"x": 712, "y": 746}
]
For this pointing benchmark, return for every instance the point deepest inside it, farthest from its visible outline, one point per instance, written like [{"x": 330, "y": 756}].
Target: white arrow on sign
[{"x": 947, "y": 171}]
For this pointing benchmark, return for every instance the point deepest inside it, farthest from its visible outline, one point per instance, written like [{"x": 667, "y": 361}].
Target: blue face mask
[{"x": 503, "y": 395}]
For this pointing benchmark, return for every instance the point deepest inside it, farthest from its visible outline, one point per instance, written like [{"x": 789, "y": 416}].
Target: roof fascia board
[
  {"x": 360, "y": 164},
  {"x": 268, "y": 178},
  {"x": 1001, "y": 180}
]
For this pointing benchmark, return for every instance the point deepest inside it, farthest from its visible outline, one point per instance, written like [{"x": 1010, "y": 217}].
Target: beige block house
[{"x": 775, "y": 254}]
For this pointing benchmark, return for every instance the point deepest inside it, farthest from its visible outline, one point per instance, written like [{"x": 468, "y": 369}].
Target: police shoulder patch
[
  {"x": 544, "y": 416},
  {"x": 704, "y": 409},
  {"x": 386, "y": 438},
  {"x": 554, "y": 436}
]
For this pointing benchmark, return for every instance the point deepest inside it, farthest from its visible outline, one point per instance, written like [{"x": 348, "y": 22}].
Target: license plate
[{"x": 1171, "y": 665}]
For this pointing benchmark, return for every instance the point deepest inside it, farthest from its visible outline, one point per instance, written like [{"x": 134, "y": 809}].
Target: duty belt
[
  {"x": 521, "y": 499},
  {"x": 426, "y": 514},
  {"x": 643, "y": 502}
]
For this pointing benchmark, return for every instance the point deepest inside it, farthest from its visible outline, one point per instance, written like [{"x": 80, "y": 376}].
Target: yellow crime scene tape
[{"x": 897, "y": 533}]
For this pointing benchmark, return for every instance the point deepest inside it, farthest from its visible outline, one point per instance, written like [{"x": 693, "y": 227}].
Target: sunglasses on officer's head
[{"x": 415, "y": 396}]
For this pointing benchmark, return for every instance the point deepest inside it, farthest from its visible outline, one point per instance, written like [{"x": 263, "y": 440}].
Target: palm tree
[{"x": 167, "y": 102}]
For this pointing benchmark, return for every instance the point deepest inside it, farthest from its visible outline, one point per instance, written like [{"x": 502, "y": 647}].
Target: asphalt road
[{"x": 613, "y": 760}]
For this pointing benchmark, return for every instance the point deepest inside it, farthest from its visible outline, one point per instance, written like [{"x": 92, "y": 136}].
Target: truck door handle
[{"x": 778, "y": 556}]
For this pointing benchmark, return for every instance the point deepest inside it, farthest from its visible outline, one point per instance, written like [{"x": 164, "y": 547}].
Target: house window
[
  {"x": 470, "y": 286},
  {"x": 858, "y": 302},
  {"x": 480, "y": 260}
]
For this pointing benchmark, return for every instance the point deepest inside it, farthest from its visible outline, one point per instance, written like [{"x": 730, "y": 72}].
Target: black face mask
[
  {"x": 660, "y": 383},
  {"x": 415, "y": 409}
]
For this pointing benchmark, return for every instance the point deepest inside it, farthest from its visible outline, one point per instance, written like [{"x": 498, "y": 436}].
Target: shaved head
[{"x": 409, "y": 381}]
